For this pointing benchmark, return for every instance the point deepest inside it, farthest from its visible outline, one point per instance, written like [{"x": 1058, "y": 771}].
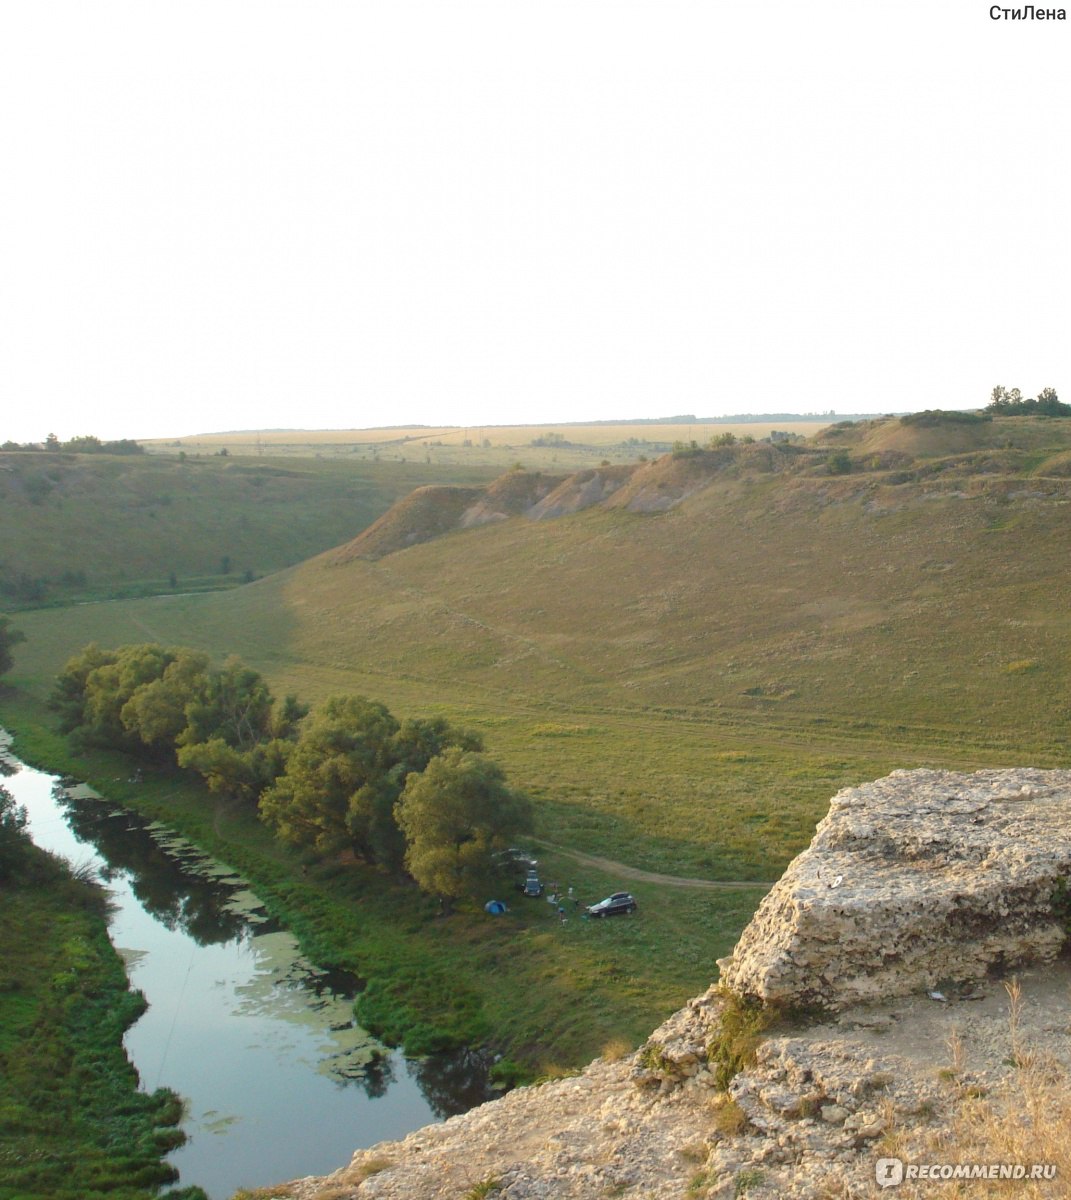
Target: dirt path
[{"x": 626, "y": 872}]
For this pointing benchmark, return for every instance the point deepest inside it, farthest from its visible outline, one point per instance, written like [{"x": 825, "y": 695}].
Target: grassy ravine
[
  {"x": 679, "y": 691},
  {"x": 77, "y": 527},
  {"x": 548, "y": 996},
  {"x": 73, "y": 1125}
]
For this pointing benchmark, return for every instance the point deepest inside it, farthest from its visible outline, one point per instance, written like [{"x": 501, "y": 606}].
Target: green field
[
  {"x": 680, "y": 691},
  {"x": 84, "y": 526}
]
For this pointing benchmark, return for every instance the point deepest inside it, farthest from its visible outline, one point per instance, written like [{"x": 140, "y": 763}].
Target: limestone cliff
[{"x": 875, "y": 972}]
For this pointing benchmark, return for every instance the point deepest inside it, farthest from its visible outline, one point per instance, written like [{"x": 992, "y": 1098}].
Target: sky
[{"x": 228, "y": 214}]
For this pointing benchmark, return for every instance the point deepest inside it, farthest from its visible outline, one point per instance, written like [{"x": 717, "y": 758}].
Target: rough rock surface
[
  {"x": 919, "y": 879},
  {"x": 914, "y": 880},
  {"x": 582, "y": 490}
]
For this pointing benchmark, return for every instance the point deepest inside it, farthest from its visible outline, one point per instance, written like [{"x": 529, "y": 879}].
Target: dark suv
[{"x": 619, "y": 902}]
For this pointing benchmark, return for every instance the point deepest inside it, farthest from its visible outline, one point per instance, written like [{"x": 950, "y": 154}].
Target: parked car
[
  {"x": 619, "y": 902},
  {"x": 514, "y": 858},
  {"x": 532, "y": 885}
]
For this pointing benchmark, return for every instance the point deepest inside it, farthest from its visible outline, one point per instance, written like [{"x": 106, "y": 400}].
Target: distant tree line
[
  {"x": 717, "y": 441},
  {"x": 1007, "y": 402},
  {"x": 414, "y": 797},
  {"x": 84, "y": 444}
]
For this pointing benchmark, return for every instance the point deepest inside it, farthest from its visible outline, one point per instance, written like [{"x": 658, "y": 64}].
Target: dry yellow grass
[
  {"x": 513, "y": 436},
  {"x": 1024, "y": 1120},
  {"x": 615, "y": 1050}
]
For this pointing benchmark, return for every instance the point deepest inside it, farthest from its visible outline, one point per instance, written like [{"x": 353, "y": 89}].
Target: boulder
[{"x": 916, "y": 881}]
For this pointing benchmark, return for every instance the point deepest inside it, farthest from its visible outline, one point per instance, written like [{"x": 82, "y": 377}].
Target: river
[{"x": 278, "y": 1080}]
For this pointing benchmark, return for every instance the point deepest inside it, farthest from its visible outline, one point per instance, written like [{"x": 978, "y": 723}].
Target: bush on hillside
[
  {"x": 88, "y": 444},
  {"x": 944, "y": 416},
  {"x": 839, "y": 463}
]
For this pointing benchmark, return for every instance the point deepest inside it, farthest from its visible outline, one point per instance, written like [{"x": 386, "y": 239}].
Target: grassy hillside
[
  {"x": 690, "y": 685},
  {"x": 76, "y": 526},
  {"x": 682, "y": 690}
]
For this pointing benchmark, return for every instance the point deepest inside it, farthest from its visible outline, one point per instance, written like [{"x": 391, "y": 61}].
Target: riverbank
[
  {"x": 546, "y": 996},
  {"x": 75, "y": 1126}
]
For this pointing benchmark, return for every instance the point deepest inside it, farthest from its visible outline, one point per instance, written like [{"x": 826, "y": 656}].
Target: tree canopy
[
  {"x": 414, "y": 795},
  {"x": 14, "y": 839},
  {"x": 170, "y": 705},
  {"x": 455, "y": 815},
  {"x": 346, "y": 773},
  {"x": 342, "y": 749},
  {"x": 1011, "y": 403},
  {"x": 9, "y": 638}
]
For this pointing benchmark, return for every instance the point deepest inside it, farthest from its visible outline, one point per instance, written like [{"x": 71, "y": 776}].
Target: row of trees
[
  {"x": 86, "y": 443},
  {"x": 416, "y": 796},
  {"x": 1011, "y": 402}
]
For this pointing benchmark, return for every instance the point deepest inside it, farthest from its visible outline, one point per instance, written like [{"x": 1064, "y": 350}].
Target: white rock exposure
[
  {"x": 918, "y": 892},
  {"x": 920, "y": 878}
]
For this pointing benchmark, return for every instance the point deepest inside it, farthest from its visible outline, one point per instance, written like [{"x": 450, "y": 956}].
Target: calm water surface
[{"x": 279, "y": 1081}]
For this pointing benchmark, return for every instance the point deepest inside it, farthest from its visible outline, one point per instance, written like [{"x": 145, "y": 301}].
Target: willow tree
[
  {"x": 455, "y": 815},
  {"x": 344, "y": 747}
]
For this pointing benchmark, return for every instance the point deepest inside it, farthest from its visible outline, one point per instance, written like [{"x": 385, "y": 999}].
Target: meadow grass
[
  {"x": 82, "y": 527},
  {"x": 74, "y": 1124}
]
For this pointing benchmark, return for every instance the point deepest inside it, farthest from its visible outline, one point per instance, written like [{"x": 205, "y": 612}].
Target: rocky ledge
[
  {"x": 864, "y": 1006},
  {"x": 920, "y": 878}
]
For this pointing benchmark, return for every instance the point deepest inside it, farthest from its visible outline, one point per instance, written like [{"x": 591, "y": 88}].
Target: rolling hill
[
  {"x": 685, "y": 657},
  {"x": 85, "y": 525}
]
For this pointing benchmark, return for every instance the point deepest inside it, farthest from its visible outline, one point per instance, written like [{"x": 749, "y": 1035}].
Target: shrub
[
  {"x": 944, "y": 416},
  {"x": 742, "y": 1023}
]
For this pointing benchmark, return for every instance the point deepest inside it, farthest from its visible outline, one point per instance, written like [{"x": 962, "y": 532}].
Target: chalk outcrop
[
  {"x": 917, "y": 893},
  {"x": 649, "y": 487},
  {"x": 920, "y": 878}
]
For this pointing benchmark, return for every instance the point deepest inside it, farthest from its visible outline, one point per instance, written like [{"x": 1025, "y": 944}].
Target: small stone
[
  {"x": 834, "y": 1114},
  {"x": 869, "y": 1131}
]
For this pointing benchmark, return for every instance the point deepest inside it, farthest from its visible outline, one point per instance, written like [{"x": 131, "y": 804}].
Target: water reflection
[
  {"x": 453, "y": 1083},
  {"x": 173, "y": 891},
  {"x": 280, "y": 1081}
]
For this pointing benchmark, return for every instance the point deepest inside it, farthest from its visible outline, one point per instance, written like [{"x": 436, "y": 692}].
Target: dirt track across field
[{"x": 626, "y": 872}]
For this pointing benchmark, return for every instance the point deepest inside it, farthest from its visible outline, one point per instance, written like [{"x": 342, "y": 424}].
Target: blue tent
[{"x": 495, "y": 907}]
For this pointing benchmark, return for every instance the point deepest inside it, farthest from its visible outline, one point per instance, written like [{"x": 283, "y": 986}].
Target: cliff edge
[{"x": 905, "y": 970}]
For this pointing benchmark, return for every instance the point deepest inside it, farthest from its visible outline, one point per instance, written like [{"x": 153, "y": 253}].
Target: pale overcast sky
[{"x": 230, "y": 215}]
